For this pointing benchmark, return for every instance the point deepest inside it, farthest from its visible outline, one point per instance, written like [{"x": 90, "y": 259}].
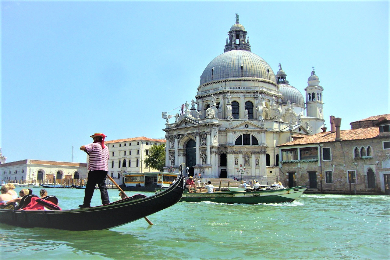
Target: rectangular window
[
  {"x": 113, "y": 154},
  {"x": 137, "y": 153},
  {"x": 384, "y": 128},
  {"x": 309, "y": 153},
  {"x": 289, "y": 154},
  {"x": 112, "y": 164},
  {"x": 351, "y": 177},
  {"x": 129, "y": 163},
  {"x": 119, "y": 163},
  {"x": 124, "y": 153},
  {"x": 130, "y": 152},
  {"x": 326, "y": 154},
  {"x": 147, "y": 152},
  {"x": 386, "y": 145},
  {"x": 328, "y": 176}
]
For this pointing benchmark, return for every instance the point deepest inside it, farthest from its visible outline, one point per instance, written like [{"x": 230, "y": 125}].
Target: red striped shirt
[{"x": 97, "y": 157}]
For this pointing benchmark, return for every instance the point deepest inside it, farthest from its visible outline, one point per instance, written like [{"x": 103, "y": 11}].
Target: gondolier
[{"x": 97, "y": 169}]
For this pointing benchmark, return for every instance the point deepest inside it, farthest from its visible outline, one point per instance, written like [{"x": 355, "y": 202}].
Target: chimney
[
  {"x": 337, "y": 123},
  {"x": 323, "y": 129},
  {"x": 332, "y": 128}
]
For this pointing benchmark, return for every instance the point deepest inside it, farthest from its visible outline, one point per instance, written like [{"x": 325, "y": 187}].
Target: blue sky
[{"x": 73, "y": 68}]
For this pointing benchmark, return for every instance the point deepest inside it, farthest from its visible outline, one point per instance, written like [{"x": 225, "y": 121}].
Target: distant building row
[{"x": 126, "y": 156}]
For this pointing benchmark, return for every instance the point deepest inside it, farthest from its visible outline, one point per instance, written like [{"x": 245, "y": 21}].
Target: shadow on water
[{"x": 18, "y": 243}]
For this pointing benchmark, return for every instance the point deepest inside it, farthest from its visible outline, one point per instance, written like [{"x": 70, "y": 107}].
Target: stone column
[
  {"x": 242, "y": 107},
  {"x": 197, "y": 149},
  {"x": 208, "y": 141},
  {"x": 230, "y": 165},
  {"x": 253, "y": 164},
  {"x": 214, "y": 161},
  {"x": 262, "y": 163},
  {"x": 167, "y": 145},
  {"x": 177, "y": 150}
]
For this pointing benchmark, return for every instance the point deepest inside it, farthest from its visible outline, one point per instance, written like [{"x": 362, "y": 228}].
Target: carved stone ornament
[{"x": 172, "y": 158}]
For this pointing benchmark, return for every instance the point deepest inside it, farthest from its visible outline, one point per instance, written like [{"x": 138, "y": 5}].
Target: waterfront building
[
  {"x": 38, "y": 171},
  {"x": 340, "y": 161},
  {"x": 128, "y": 155},
  {"x": 242, "y": 111}
]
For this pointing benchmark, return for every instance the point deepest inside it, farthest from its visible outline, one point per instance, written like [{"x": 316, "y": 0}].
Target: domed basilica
[{"x": 241, "y": 112}]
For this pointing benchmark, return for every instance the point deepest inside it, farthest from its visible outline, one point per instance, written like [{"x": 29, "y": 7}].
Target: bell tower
[{"x": 314, "y": 102}]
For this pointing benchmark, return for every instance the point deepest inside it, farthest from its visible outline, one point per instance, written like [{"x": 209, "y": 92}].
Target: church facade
[{"x": 242, "y": 111}]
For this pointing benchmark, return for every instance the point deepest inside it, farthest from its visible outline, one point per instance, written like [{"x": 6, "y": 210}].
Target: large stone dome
[{"x": 237, "y": 64}]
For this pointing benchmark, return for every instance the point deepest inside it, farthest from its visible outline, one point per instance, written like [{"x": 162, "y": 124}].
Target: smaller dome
[
  {"x": 281, "y": 74},
  {"x": 237, "y": 27},
  {"x": 291, "y": 94},
  {"x": 313, "y": 80}
]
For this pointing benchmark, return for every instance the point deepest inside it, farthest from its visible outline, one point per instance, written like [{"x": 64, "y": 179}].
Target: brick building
[{"x": 340, "y": 161}]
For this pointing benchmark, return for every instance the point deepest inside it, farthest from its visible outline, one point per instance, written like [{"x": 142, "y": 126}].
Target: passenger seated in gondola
[
  {"x": 15, "y": 202},
  {"x": 44, "y": 196},
  {"x": 190, "y": 184},
  {"x": 11, "y": 190},
  {"x": 4, "y": 196},
  {"x": 43, "y": 193}
]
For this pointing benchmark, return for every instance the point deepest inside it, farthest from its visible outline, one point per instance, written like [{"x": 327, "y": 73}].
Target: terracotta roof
[
  {"x": 373, "y": 118},
  {"x": 142, "y": 138},
  {"x": 345, "y": 135}
]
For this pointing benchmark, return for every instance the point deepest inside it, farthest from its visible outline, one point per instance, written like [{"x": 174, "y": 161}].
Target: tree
[{"x": 156, "y": 157}]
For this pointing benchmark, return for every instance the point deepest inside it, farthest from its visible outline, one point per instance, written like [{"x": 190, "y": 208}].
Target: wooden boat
[
  {"x": 96, "y": 218},
  {"x": 246, "y": 196},
  {"x": 149, "y": 181}
]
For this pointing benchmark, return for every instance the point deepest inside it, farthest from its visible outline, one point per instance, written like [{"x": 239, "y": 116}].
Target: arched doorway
[
  {"x": 190, "y": 156},
  {"x": 370, "y": 179},
  {"x": 59, "y": 175},
  {"x": 40, "y": 176}
]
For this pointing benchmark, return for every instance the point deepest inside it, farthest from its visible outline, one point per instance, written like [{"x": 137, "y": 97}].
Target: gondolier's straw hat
[{"x": 103, "y": 136}]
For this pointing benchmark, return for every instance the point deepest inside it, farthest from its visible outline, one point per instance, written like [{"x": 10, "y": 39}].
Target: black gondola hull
[{"x": 96, "y": 218}]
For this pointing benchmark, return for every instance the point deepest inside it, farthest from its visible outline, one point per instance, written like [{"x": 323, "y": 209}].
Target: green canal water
[{"x": 313, "y": 227}]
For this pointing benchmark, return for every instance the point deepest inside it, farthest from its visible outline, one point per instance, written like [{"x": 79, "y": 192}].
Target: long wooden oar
[{"x": 116, "y": 184}]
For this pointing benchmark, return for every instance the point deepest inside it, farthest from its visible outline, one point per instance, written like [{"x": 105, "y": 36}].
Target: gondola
[{"x": 96, "y": 218}]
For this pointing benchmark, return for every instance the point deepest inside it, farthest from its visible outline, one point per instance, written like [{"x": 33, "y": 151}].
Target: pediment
[
  {"x": 186, "y": 122},
  {"x": 247, "y": 125}
]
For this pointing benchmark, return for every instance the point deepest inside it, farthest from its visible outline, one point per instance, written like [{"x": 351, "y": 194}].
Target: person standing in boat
[{"x": 97, "y": 169}]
